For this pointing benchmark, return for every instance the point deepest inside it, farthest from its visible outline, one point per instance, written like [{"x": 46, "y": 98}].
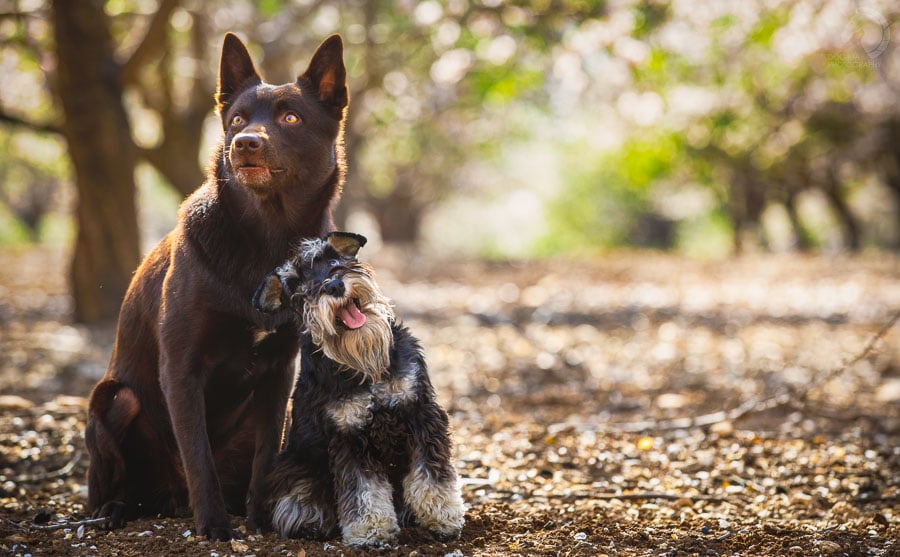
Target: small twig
[
  {"x": 856, "y": 359},
  {"x": 58, "y": 525},
  {"x": 59, "y": 472},
  {"x": 655, "y": 495},
  {"x": 68, "y": 524},
  {"x": 706, "y": 420},
  {"x": 10, "y": 522},
  {"x": 724, "y": 536},
  {"x": 757, "y": 406}
]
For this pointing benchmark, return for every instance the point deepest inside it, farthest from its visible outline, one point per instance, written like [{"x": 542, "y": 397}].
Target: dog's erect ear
[
  {"x": 236, "y": 71},
  {"x": 268, "y": 297},
  {"x": 346, "y": 243},
  {"x": 327, "y": 75}
]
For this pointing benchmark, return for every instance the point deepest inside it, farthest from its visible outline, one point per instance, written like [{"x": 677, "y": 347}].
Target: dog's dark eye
[
  {"x": 291, "y": 118},
  {"x": 333, "y": 262},
  {"x": 237, "y": 120}
]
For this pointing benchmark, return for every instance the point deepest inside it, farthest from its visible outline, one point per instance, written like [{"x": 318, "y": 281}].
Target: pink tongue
[{"x": 352, "y": 317}]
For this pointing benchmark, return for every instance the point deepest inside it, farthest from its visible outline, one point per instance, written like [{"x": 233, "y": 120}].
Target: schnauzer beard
[{"x": 365, "y": 350}]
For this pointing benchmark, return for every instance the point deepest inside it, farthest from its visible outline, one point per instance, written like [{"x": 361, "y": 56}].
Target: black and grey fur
[{"x": 369, "y": 447}]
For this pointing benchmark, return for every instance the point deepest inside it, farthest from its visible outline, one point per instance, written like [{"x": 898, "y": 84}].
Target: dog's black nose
[
  {"x": 334, "y": 287},
  {"x": 247, "y": 143}
]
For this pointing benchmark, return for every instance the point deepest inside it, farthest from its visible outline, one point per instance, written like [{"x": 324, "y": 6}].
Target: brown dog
[{"x": 192, "y": 405}]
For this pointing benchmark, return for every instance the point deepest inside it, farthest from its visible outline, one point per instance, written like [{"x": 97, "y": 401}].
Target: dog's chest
[
  {"x": 367, "y": 408},
  {"x": 242, "y": 354},
  {"x": 261, "y": 334}
]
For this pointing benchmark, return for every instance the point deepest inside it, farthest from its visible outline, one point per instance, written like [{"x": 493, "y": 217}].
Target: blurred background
[
  {"x": 607, "y": 221},
  {"x": 489, "y": 129}
]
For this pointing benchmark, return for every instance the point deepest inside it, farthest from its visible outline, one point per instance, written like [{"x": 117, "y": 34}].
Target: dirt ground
[{"x": 637, "y": 404}]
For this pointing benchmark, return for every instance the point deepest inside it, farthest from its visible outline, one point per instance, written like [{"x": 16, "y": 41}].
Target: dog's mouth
[
  {"x": 250, "y": 166},
  {"x": 351, "y": 315},
  {"x": 251, "y": 172}
]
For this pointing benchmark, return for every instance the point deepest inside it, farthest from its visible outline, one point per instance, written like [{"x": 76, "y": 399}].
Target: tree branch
[
  {"x": 65, "y": 470},
  {"x": 152, "y": 44},
  {"x": 7, "y": 118},
  {"x": 34, "y": 14}
]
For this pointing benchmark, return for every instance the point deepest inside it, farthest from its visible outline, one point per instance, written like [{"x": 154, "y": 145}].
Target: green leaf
[{"x": 268, "y": 8}]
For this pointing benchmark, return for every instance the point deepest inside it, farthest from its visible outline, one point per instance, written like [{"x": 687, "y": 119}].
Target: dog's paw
[
  {"x": 216, "y": 530},
  {"x": 217, "y": 533},
  {"x": 257, "y": 519},
  {"x": 448, "y": 525},
  {"x": 368, "y": 539},
  {"x": 114, "y": 512},
  {"x": 447, "y": 534},
  {"x": 437, "y": 506},
  {"x": 257, "y": 525},
  {"x": 374, "y": 522},
  {"x": 373, "y": 529}
]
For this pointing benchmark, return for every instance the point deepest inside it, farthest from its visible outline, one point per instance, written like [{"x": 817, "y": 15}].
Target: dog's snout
[
  {"x": 334, "y": 287},
  {"x": 247, "y": 143}
]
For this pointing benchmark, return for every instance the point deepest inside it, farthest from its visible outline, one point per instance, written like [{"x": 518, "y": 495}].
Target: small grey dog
[{"x": 369, "y": 447}]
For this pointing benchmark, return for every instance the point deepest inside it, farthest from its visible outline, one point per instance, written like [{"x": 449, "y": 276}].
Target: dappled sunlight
[
  {"x": 649, "y": 248},
  {"x": 573, "y": 388},
  {"x": 501, "y": 116}
]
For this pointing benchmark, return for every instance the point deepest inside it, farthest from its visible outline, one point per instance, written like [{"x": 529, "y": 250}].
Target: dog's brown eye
[
  {"x": 291, "y": 118},
  {"x": 237, "y": 120}
]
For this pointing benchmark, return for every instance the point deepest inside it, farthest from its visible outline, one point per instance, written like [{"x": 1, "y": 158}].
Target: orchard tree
[{"x": 88, "y": 72}]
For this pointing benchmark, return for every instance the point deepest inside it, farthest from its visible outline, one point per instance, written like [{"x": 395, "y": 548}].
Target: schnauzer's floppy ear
[
  {"x": 347, "y": 244},
  {"x": 268, "y": 297}
]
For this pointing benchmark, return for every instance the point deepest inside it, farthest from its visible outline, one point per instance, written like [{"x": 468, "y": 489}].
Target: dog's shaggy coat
[{"x": 369, "y": 447}]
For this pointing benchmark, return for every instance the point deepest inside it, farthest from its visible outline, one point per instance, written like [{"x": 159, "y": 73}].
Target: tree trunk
[
  {"x": 399, "y": 215},
  {"x": 177, "y": 158},
  {"x": 103, "y": 156},
  {"x": 803, "y": 241},
  {"x": 890, "y": 147},
  {"x": 849, "y": 225}
]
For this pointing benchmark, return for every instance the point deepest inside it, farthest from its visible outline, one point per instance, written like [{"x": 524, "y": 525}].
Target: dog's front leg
[
  {"x": 431, "y": 489},
  {"x": 276, "y": 366},
  {"x": 364, "y": 495},
  {"x": 182, "y": 382}
]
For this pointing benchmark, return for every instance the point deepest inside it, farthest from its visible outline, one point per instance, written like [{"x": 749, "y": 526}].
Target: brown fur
[{"x": 190, "y": 412}]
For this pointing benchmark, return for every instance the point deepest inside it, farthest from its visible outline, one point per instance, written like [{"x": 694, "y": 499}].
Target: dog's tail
[{"x": 113, "y": 406}]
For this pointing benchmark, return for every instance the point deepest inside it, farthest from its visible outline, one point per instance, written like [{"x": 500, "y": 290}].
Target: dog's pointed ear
[
  {"x": 327, "y": 75},
  {"x": 347, "y": 244},
  {"x": 268, "y": 297},
  {"x": 236, "y": 71}
]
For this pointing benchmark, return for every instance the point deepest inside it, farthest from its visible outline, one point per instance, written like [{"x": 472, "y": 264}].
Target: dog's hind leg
[
  {"x": 302, "y": 501},
  {"x": 112, "y": 408},
  {"x": 431, "y": 490}
]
